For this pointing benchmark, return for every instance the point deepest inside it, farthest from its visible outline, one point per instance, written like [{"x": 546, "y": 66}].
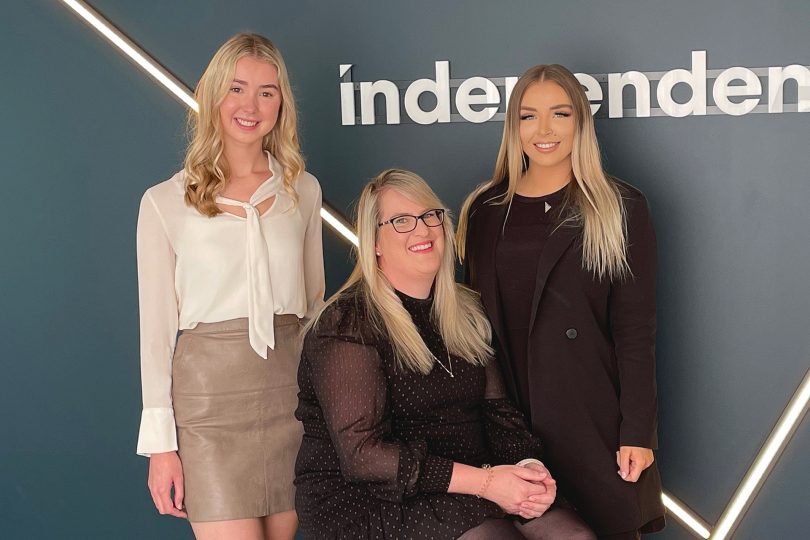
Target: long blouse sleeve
[
  {"x": 350, "y": 385},
  {"x": 633, "y": 326},
  {"x": 507, "y": 432},
  {"x": 314, "y": 280},
  {"x": 158, "y": 330}
]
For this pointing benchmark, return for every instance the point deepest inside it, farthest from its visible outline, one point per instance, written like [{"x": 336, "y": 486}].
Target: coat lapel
[
  {"x": 488, "y": 243},
  {"x": 555, "y": 246},
  {"x": 489, "y": 234}
]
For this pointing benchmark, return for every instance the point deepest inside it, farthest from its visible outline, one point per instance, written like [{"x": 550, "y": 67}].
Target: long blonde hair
[
  {"x": 456, "y": 309},
  {"x": 206, "y": 168},
  {"x": 594, "y": 199}
]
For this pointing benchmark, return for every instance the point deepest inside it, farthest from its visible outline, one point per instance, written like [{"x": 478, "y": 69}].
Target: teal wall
[{"x": 84, "y": 133}]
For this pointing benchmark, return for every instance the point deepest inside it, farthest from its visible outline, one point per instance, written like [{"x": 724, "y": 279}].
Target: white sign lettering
[{"x": 734, "y": 91}]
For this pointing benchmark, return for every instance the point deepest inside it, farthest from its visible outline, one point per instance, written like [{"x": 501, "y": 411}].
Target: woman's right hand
[
  {"x": 165, "y": 472},
  {"x": 512, "y": 487}
]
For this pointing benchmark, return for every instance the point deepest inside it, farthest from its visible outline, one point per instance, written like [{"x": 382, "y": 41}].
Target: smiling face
[
  {"x": 547, "y": 128},
  {"x": 409, "y": 259},
  {"x": 251, "y": 105}
]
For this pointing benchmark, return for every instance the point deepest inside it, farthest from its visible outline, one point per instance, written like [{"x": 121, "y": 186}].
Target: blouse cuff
[
  {"x": 529, "y": 461},
  {"x": 435, "y": 475},
  {"x": 158, "y": 432}
]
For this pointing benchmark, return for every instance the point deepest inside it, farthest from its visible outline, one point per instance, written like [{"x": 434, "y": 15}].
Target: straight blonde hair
[
  {"x": 593, "y": 198},
  {"x": 456, "y": 309},
  {"x": 206, "y": 168}
]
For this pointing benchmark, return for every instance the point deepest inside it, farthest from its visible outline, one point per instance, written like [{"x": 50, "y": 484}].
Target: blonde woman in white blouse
[{"x": 230, "y": 255}]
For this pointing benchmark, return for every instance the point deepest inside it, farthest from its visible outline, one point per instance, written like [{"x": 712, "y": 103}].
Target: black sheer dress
[{"x": 379, "y": 443}]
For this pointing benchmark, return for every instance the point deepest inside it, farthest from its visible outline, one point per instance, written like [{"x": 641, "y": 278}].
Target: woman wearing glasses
[
  {"x": 564, "y": 258},
  {"x": 402, "y": 403}
]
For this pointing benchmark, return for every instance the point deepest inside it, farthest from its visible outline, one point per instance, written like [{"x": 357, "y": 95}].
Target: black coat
[{"x": 591, "y": 355}]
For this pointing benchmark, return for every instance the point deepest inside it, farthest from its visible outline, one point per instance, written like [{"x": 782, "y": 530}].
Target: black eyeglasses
[{"x": 405, "y": 223}]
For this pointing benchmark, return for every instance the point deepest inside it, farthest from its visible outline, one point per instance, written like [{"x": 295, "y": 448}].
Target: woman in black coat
[{"x": 564, "y": 258}]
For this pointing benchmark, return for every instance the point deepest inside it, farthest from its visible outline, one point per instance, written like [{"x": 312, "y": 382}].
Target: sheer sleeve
[
  {"x": 350, "y": 386},
  {"x": 508, "y": 434},
  {"x": 313, "y": 257},
  {"x": 158, "y": 324}
]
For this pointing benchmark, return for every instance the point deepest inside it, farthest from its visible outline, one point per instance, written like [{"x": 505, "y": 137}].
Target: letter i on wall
[{"x": 346, "y": 95}]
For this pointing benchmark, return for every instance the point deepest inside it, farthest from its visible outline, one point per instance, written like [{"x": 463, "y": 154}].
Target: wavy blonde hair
[
  {"x": 206, "y": 168},
  {"x": 456, "y": 309},
  {"x": 593, "y": 199}
]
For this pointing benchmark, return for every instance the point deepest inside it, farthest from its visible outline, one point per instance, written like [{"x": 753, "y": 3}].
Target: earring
[{"x": 378, "y": 253}]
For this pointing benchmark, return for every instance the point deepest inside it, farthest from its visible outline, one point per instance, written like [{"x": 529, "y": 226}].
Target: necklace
[{"x": 449, "y": 362}]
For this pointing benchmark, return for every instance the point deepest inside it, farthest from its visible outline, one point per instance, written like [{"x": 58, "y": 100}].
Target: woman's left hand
[
  {"x": 537, "y": 505},
  {"x": 632, "y": 461}
]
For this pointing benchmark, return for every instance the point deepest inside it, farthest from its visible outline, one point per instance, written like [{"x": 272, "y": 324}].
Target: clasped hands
[{"x": 526, "y": 491}]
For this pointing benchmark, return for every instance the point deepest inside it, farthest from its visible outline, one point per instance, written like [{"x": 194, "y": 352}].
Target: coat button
[{"x": 571, "y": 333}]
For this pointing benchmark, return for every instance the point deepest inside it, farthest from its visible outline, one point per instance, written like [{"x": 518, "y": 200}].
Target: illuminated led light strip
[
  {"x": 753, "y": 480},
  {"x": 684, "y": 516},
  {"x": 170, "y": 83},
  {"x": 341, "y": 228},
  {"x": 132, "y": 51},
  {"x": 765, "y": 460}
]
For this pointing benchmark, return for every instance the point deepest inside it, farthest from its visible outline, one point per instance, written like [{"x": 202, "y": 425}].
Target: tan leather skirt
[{"x": 236, "y": 432}]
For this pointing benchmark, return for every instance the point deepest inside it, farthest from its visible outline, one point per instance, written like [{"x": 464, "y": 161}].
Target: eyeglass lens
[{"x": 432, "y": 218}]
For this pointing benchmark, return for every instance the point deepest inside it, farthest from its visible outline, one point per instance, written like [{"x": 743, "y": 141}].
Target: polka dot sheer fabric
[{"x": 379, "y": 442}]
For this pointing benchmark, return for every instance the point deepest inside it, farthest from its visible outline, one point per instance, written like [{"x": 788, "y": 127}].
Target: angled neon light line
[
  {"x": 173, "y": 85},
  {"x": 132, "y": 51},
  {"x": 684, "y": 516},
  {"x": 339, "y": 226},
  {"x": 765, "y": 460}
]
